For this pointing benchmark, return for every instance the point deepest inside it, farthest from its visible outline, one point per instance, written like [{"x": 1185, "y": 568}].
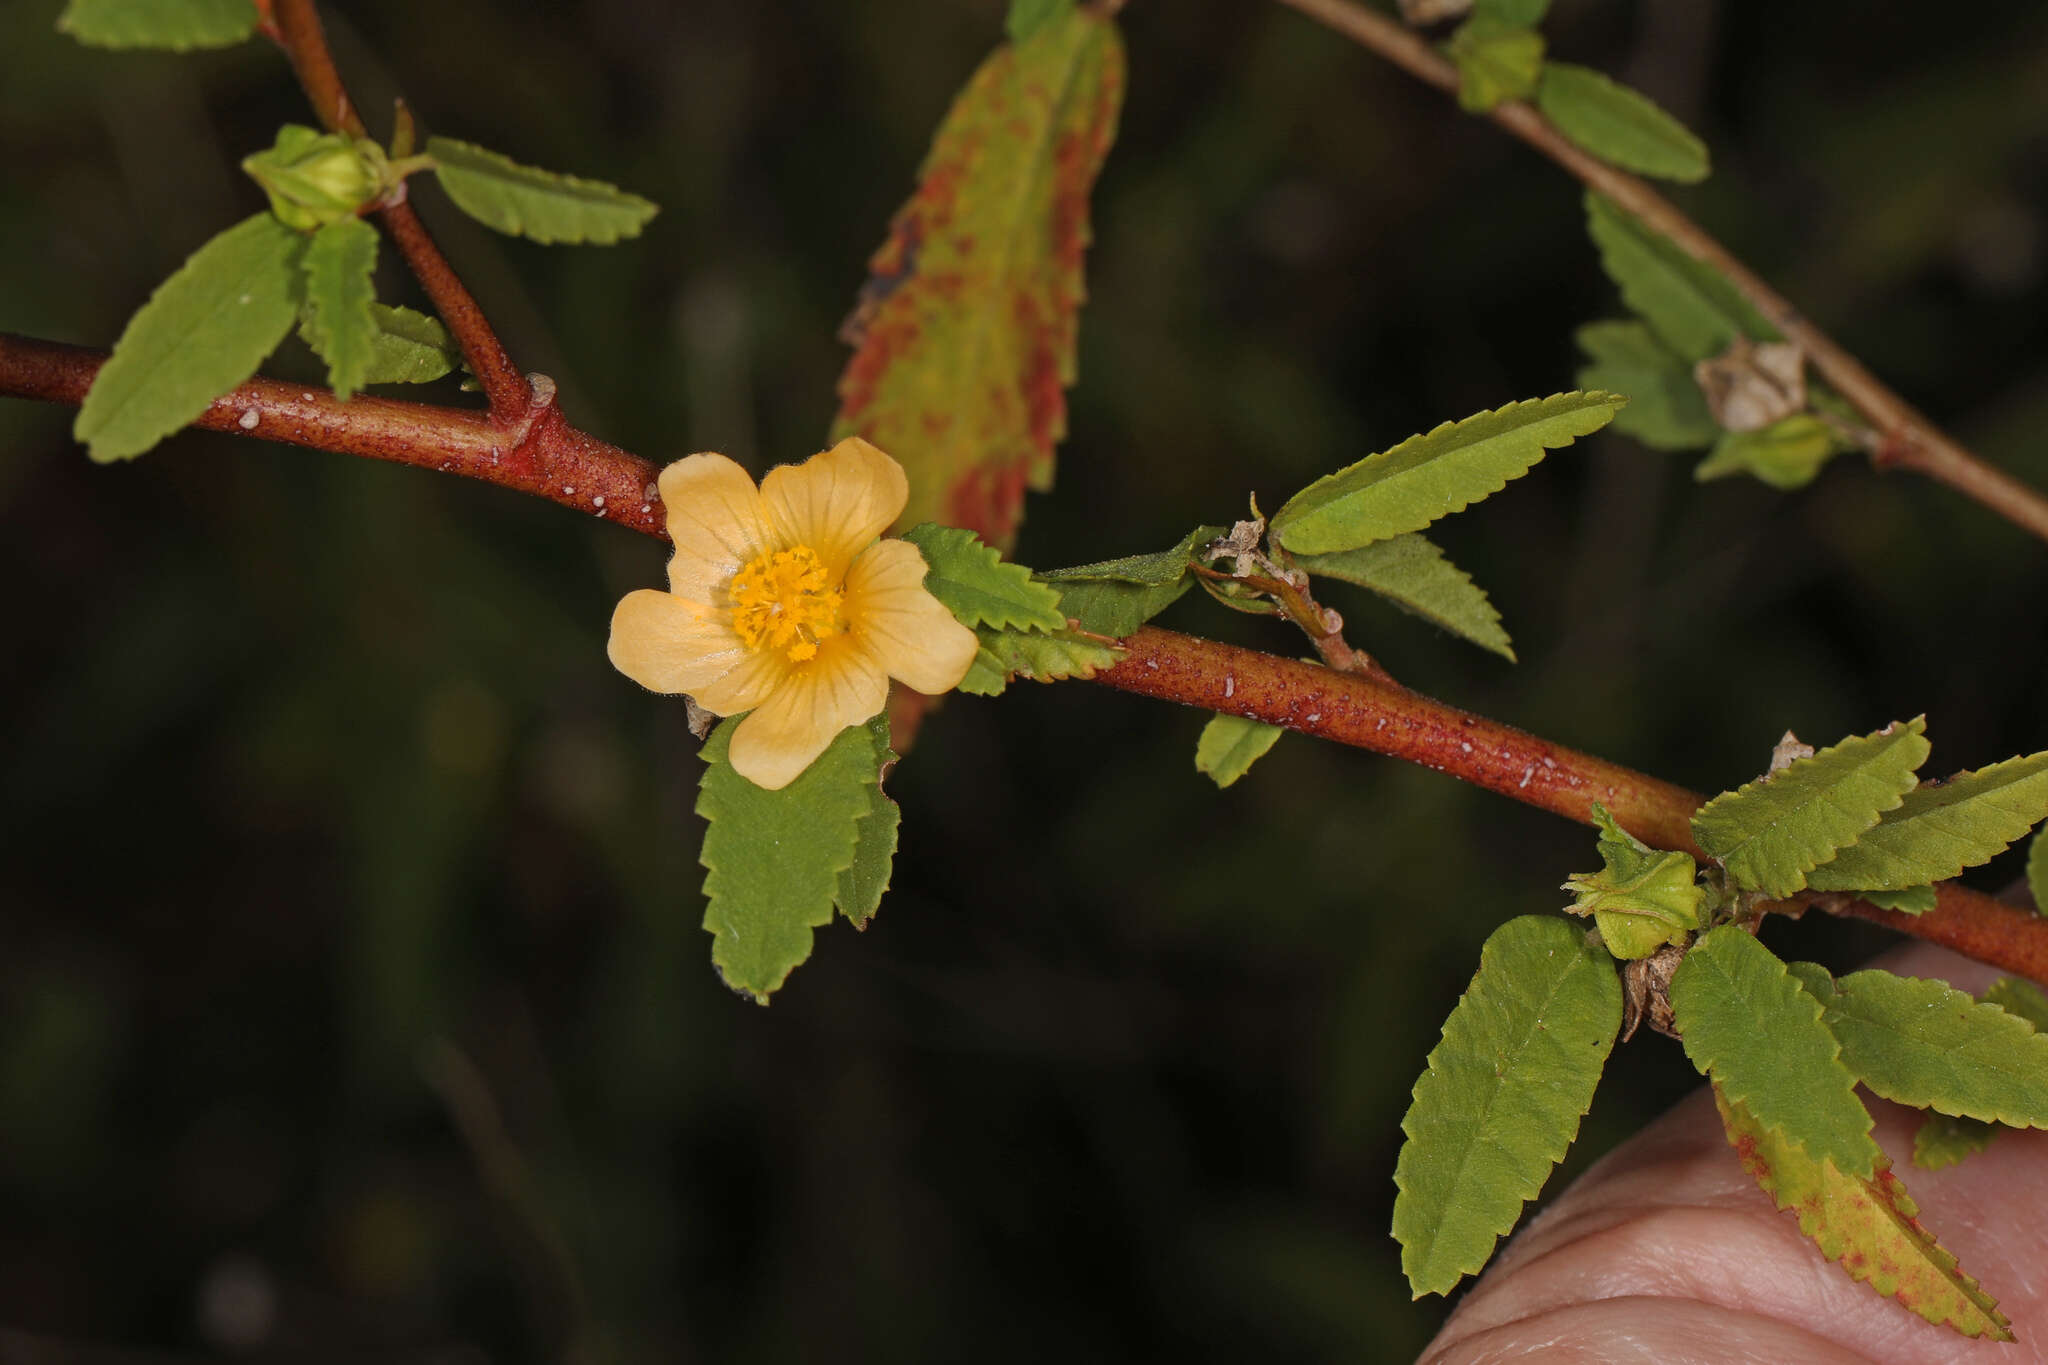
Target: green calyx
[
  {"x": 1641, "y": 899},
  {"x": 314, "y": 179}
]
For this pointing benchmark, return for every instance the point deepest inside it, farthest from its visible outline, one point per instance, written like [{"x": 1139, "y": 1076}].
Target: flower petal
[
  {"x": 717, "y": 521},
  {"x": 907, "y": 632},
  {"x": 752, "y": 681},
  {"x": 781, "y": 737},
  {"x": 666, "y": 644},
  {"x": 836, "y": 502}
]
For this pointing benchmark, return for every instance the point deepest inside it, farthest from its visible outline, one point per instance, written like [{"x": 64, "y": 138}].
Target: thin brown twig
[
  {"x": 1908, "y": 439},
  {"x": 1345, "y": 707},
  {"x": 305, "y": 44}
]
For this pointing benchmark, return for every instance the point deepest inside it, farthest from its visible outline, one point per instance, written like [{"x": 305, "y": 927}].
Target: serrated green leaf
[
  {"x": 1870, "y": 1225},
  {"x": 1412, "y": 573},
  {"x": 525, "y": 201},
  {"x": 1942, "y": 1140},
  {"x": 965, "y": 330},
  {"x": 2037, "y": 871},
  {"x": 1526, "y": 13},
  {"x": 1619, "y": 125},
  {"x": 1116, "y": 609},
  {"x": 1772, "y": 832},
  {"x": 1157, "y": 570},
  {"x": 1914, "y": 900},
  {"x": 1502, "y": 1096},
  {"x": 774, "y": 860},
  {"x": 1940, "y": 828},
  {"x": 1496, "y": 61},
  {"x": 1787, "y": 454},
  {"x": 978, "y": 587},
  {"x": 986, "y": 676},
  {"x": 409, "y": 348},
  {"x": 1641, "y": 899},
  {"x": 1750, "y": 1026},
  {"x": 1047, "y": 657},
  {"x": 1925, "y": 1044},
  {"x": 1666, "y": 409},
  {"x": 1027, "y": 17},
  {"x": 2019, "y": 998},
  {"x": 1435, "y": 474},
  {"x": 338, "y": 262},
  {"x": 874, "y": 855},
  {"x": 203, "y": 331},
  {"x": 179, "y": 25},
  {"x": 1230, "y": 745},
  {"x": 1688, "y": 303}
]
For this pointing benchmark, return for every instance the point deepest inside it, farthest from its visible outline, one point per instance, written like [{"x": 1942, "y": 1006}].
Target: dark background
[{"x": 353, "y": 1002}]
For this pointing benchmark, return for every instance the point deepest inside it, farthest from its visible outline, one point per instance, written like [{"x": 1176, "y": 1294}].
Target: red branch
[
  {"x": 557, "y": 462},
  {"x": 544, "y": 455},
  {"x": 299, "y": 33}
]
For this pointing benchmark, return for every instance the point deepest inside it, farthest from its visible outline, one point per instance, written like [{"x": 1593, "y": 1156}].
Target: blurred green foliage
[{"x": 353, "y": 993}]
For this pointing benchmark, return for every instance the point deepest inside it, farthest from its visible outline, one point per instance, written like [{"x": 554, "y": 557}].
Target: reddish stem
[
  {"x": 305, "y": 43},
  {"x": 557, "y": 462},
  {"x": 544, "y": 455}
]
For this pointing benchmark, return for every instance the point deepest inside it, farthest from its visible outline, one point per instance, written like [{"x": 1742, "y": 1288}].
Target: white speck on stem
[
  {"x": 1527, "y": 773},
  {"x": 1382, "y": 725},
  {"x": 1152, "y": 664},
  {"x": 569, "y": 490},
  {"x": 306, "y": 397},
  {"x": 1549, "y": 763},
  {"x": 1311, "y": 718},
  {"x": 248, "y": 420},
  {"x": 649, "y": 493},
  {"x": 1466, "y": 747},
  {"x": 597, "y": 501},
  {"x": 1229, "y": 686}
]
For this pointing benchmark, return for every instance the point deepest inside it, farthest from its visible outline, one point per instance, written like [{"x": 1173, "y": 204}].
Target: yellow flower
[{"x": 783, "y": 604}]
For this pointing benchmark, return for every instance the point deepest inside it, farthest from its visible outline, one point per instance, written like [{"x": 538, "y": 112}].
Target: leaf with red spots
[
  {"x": 1871, "y": 1226},
  {"x": 964, "y": 332}
]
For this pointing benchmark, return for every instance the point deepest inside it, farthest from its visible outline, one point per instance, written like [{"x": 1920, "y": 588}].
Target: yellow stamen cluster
[{"x": 784, "y": 601}]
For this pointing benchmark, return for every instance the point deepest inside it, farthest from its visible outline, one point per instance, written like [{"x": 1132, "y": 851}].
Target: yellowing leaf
[
  {"x": 964, "y": 333},
  {"x": 1870, "y": 1225}
]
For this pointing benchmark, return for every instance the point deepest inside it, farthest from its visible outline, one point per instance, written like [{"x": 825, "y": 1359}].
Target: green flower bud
[
  {"x": 314, "y": 178},
  {"x": 1641, "y": 899}
]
